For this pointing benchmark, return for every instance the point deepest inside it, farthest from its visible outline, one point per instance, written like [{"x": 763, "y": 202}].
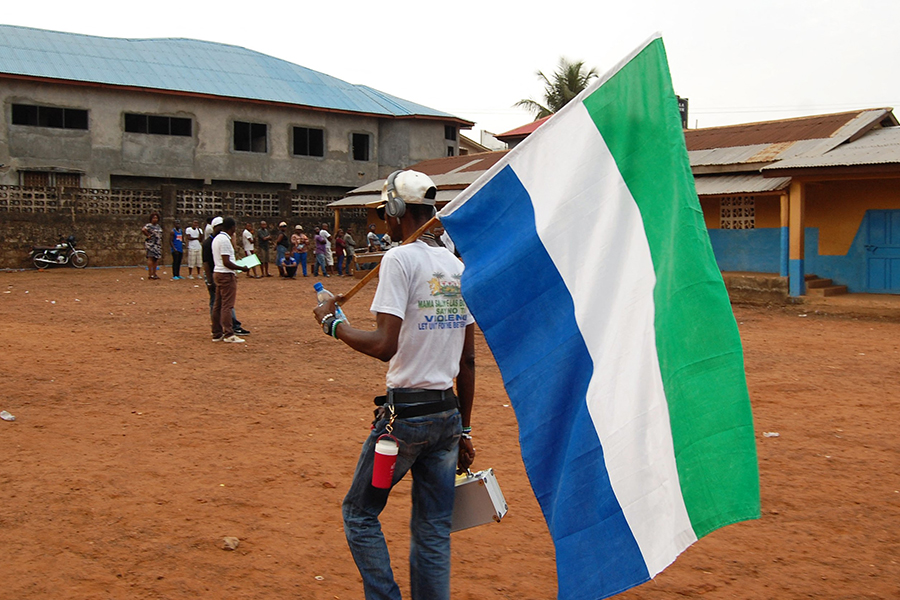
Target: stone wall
[{"x": 107, "y": 223}]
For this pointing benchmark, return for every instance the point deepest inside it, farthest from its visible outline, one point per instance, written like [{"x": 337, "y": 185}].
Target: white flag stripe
[{"x": 615, "y": 313}]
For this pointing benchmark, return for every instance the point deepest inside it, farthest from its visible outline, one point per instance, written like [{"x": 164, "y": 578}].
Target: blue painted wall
[
  {"x": 759, "y": 251},
  {"x": 754, "y": 250},
  {"x": 849, "y": 270}
]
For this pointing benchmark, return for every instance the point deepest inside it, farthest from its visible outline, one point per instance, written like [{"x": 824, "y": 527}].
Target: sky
[{"x": 736, "y": 62}]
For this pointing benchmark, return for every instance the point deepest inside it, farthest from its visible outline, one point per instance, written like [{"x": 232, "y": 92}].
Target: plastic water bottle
[{"x": 323, "y": 295}]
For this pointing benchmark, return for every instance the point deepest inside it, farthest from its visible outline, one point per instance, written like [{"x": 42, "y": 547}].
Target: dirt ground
[{"x": 138, "y": 445}]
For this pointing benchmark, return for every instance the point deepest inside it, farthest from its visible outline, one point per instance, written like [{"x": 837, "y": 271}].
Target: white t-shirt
[
  {"x": 222, "y": 245},
  {"x": 190, "y": 233},
  {"x": 420, "y": 284},
  {"x": 247, "y": 241}
]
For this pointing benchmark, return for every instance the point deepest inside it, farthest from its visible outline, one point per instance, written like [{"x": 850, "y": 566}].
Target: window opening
[
  {"x": 250, "y": 137},
  {"x": 360, "y": 146},
  {"x": 309, "y": 142},
  {"x": 450, "y": 132},
  {"x": 49, "y": 116},
  {"x": 158, "y": 125}
]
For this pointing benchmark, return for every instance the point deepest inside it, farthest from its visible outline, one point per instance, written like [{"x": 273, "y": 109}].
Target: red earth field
[{"x": 138, "y": 446}]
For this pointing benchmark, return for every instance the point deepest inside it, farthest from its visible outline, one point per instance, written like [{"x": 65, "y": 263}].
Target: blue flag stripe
[{"x": 531, "y": 329}]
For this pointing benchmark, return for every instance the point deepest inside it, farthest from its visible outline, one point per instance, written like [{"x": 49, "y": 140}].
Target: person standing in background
[
  {"x": 195, "y": 248},
  {"x": 263, "y": 237},
  {"x": 153, "y": 244},
  {"x": 225, "y": 277},
  {"x": 247, "y": 239},
  {"x": 176, "y": 247},
  {"x": 320, "y": 255},
  {"x": 329, "y": 255},
  {"x": 282, "y": 247},
  {"x": 350, "y": 250},
  {"x": 300, "y": 245},
  {"x": 208, "y": 266},
  {"x": 339, "y": 250},
  {"x": 372, "y": 240}
]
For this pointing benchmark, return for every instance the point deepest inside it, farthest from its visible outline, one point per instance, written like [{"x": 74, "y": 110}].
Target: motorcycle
[{"x": 62, "y": 253}]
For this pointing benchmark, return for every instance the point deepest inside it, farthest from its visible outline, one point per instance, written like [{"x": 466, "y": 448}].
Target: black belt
[{"x": 417, "y": 403}]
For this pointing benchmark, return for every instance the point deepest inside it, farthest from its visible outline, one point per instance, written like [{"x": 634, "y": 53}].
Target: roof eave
[
  {"x": 836, "y": 171},
  {"x": 111, "y": 86}
]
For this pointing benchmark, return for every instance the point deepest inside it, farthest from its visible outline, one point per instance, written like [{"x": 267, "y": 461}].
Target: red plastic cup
[{"x": 386, "y": 449}]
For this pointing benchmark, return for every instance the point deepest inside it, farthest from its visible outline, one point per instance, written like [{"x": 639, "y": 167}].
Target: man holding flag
[
  {"x": 423, "y": 328},
  {"x": 627, "y": 381}
]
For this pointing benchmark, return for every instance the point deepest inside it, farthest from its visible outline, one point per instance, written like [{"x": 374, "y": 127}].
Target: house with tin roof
[
  {"x": 812, "y": 201},
  {"x": 809, "y": 205},
  {"x": 94, "y": 112}
]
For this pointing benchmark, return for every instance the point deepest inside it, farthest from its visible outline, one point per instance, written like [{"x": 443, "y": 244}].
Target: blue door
[{"x": 883, "y": 251}]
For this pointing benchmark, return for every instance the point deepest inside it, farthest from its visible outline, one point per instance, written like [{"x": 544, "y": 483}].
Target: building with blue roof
[{"x": 95, "y": 112}]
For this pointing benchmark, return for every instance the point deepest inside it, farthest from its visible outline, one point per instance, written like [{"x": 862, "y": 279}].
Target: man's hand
[
  {"x": 466, "y": 455},
  {"x": 323, "y": 309}
]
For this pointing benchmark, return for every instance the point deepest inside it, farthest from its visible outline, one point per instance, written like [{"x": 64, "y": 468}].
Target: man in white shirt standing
[
  {"x": 225, "y": 277},
  {"x": 424, "y": 329},
  {"x": 195, "y": 248},
  {"x": 247, "y": 239}
]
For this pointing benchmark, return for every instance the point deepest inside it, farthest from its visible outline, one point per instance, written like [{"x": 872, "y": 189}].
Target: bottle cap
[{"x": 318, "y": 286}]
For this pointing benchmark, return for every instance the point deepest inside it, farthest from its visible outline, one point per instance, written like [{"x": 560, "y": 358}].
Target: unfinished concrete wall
[{"x": 106, "y": 151}]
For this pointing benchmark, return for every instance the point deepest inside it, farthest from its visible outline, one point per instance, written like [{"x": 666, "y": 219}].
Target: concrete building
[
  {"x": 100, "y": 112},
  {"x": 104, "y": 126}
]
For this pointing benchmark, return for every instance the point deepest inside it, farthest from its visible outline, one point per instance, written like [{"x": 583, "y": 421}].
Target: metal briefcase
[{"x": 478, "y": 500}]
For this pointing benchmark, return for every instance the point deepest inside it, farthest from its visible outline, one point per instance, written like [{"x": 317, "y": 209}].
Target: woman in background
[{"x": 153, "y": 232}]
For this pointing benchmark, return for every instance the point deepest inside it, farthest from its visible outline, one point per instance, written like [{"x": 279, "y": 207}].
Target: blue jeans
[
  {"x": 429, "y": 449},
  {"x": 280, "y": 252},
  {"x": 320, "y": 262},
  {"x": 301, "y": 260}
]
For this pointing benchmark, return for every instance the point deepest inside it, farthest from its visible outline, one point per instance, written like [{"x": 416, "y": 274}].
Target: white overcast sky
[{"x": 737, "y": 62}]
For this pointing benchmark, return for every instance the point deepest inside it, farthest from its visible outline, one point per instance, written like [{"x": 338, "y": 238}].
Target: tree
[{"x": 568, "y": 81}]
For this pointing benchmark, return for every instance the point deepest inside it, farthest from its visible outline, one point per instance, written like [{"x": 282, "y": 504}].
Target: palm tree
[{"x": 568, "y": 81}]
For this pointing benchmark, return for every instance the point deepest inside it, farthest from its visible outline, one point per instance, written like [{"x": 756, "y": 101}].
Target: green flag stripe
[{"x": 698, "y": 344}]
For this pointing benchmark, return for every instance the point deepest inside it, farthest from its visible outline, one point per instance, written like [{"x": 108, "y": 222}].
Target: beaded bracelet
[
  {"x": 334, "y": 325},
  {"x": 467, "y": 430},
  {"x": 329, "y": 325}
]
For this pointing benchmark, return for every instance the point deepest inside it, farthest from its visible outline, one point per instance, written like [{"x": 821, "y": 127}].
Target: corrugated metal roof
[
  {"x": 190, "y": 66},
  {"x": 450, "y": 175},
  {"x": 522, "y": 131},
  {"x": 757, "y": 153},
  {"x": 785, "y": 130},
  {"x": 460, "y": 164},
  {"x": 877, "y": 147},
  {"x": 373, "y": 199},
  {"x": 751, "y": 183}
]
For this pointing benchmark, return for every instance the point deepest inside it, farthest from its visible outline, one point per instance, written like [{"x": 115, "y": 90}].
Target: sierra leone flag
[{"x": 590, "y": 271}]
